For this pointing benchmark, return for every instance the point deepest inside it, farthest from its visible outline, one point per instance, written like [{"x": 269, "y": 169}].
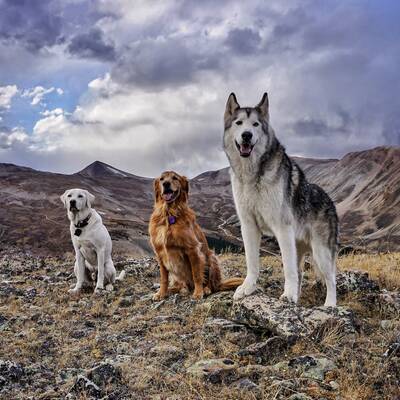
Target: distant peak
[{"x": 100, "y": 169}]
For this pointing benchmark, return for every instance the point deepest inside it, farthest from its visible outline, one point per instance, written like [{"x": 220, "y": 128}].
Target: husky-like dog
[{"x": 272, "y": 195}]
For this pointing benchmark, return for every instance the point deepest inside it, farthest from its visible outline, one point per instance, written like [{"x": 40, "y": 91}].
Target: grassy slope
[{"x": 54, "y": 333}]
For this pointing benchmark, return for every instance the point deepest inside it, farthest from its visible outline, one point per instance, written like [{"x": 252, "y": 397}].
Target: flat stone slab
[{"x": 284, "y": 319}]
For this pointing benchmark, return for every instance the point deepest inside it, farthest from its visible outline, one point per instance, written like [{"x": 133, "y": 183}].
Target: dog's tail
[
  {"x": 121, "y": 276},
  {"x": 229, "y": 284}
]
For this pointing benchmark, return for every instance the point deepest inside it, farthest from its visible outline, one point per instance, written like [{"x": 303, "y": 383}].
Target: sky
[{"x": 142, "y": 85}]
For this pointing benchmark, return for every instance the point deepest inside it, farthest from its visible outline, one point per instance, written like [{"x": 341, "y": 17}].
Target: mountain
[{"x": 364, "y": 185}]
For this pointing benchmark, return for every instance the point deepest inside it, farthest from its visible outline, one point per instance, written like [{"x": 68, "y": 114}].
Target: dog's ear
[
  {"x": 184, "y": 186},
  {"x": 263, "y": 107},
  {"x": 231, "y": 106},
  {"x": 157, "y": 192},
  {"x": 63, "y": 198},
  {"x": 89, "y": 199}
]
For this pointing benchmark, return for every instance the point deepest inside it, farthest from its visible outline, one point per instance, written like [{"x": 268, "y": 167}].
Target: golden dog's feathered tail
[
  {"x": 215, "y": 279},
  {"x": 229, "y": 284}
]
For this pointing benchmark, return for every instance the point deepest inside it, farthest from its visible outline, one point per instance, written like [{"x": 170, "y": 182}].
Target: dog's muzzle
[
  {"x": 72, "y": 206},
  {"x": 169, "y": 195},
  {"x": 245, "y": 148}
]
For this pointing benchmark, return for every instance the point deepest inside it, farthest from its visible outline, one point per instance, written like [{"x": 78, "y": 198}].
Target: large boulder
[{"x": 288, "y": 320}]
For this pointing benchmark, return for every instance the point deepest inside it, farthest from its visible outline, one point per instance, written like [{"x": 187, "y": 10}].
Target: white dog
[{"x": 91, "y": 240}]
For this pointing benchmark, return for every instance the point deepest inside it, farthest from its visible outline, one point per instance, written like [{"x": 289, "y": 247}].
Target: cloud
[
  {"x": 164, "y": 62},
  {"x": 92, "y": 44},
  {"x": 34, "y": 24},
  {"x": 243, "y": 40},
  {"x": 9, "y": 138},
  {"x": 38, "y": 93},
  {"x": 6, "y": 95},
  {"x": 159, "y": 74}
]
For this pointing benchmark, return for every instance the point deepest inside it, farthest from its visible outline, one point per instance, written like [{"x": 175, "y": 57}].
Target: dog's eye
[
  {"x": 174, "y": 178},
  {"x": 161, "y": 179},
  {"x": 69, "y": 195},
  {"x": 256, "y": 124},
  {"x": 239, "y": 122},
  {"x": 80, "y": 196}
]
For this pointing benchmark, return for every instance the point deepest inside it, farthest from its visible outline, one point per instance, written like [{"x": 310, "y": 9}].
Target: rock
[
  {"x": 10, "y": 371},
  {"x": 214, "y": 370},
  {"x": 96, "y": 381},
  {"x": 221, "y": 324},
  {"x": 288, "y": 320},
  {"x": 217, "y": 304},
  {"x": 354, "y": 281},
  {"x": 84, "y": 386},
  {"x": 389, "y": 301},
  {"x": 299, "y": 396},
  {"x": 126, "y": 301},
  {"x": 254, "y": 371},
  {"x": 167, "y": 319},
  {"x": 308, "y": 366},
  {"x": 394, "y": 348},
  {"x": 265, "y": 351},
  {"x": 216, "y": 329},
  {"x": 390, "y": 324},
  {"x": 245, "y": 384},
  {"x": 334, "y": 385},
  {"x": 104, "y": 373}
]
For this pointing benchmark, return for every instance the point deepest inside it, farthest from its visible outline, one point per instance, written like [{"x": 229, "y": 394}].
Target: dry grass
[{"x": 52, "y": 333}]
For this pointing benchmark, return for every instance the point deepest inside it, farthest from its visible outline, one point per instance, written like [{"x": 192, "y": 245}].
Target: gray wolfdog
[{"x": 272, "y": 196}]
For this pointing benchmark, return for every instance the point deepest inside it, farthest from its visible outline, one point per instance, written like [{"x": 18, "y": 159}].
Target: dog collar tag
[
  {"x": 171, "y": 219},
  {"x": 78, "y": 232}
]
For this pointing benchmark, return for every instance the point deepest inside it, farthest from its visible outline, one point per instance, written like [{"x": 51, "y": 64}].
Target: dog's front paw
[
  {"x": 75, "y": 291},
  {"x": 198, "y": 295},
  {"x": 98, "y": 291},
  {"x": 158, "y": 296},
  {"x": 289, "y": 298},
  {"x": 245, "y": 289}
]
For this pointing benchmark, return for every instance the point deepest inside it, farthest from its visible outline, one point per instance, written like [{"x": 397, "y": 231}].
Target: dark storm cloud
[
  {"x": 34, "y": 23},
  {"x": 92, "y": 45},
  {"x": 163, "y": 62},
  {"x": 243, "y": 40}
]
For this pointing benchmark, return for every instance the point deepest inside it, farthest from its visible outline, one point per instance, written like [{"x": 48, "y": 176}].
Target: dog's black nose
[
  {"x": 246, "y": 136},
  {"x": 72, "y": 202},
  {"x": 166, "y": 185}
]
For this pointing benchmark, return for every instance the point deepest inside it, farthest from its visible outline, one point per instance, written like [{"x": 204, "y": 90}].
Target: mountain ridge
[{"x": 365, "y": 186}]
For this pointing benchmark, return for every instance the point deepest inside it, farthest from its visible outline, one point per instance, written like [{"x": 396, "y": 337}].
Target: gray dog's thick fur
[{"x": 272, "y": 195}]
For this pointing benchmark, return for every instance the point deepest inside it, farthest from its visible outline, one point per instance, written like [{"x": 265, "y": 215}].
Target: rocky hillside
[
  {"x": 123, "y": 345},
  {"x": 365, "y": 186}
]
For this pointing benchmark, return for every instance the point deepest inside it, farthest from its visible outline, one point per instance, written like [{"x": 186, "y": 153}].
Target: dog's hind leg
[
  {"x": 100, "y": 271},
  {"x": 251, "y": 238},
  {"x": 301, "y": 252},
  {"x": 109, "y": 275},
  {"x": 325, "y": 264},
  {"x": 287, "y": 244}
]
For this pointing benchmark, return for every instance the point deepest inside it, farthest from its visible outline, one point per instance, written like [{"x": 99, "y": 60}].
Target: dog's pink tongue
[
  {"x": 245, "y": 148},
  {"x": 167, "y": 196}
]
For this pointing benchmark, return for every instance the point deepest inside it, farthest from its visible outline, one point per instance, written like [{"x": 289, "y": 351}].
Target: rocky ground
[{"x": 125, "y": 346}]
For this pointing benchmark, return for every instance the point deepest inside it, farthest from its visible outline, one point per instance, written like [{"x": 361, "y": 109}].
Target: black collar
[{"x": 81, "y": 224}]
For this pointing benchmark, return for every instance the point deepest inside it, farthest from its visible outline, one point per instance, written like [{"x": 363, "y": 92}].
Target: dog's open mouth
[
  {"x": 169, "y": 195},
  {"x": 245, "y": 149},
  {"x": 73, "y": 209}
]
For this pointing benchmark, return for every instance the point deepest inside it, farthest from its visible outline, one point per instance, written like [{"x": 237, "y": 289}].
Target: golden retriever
[{"x": 180, "y": 244}]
